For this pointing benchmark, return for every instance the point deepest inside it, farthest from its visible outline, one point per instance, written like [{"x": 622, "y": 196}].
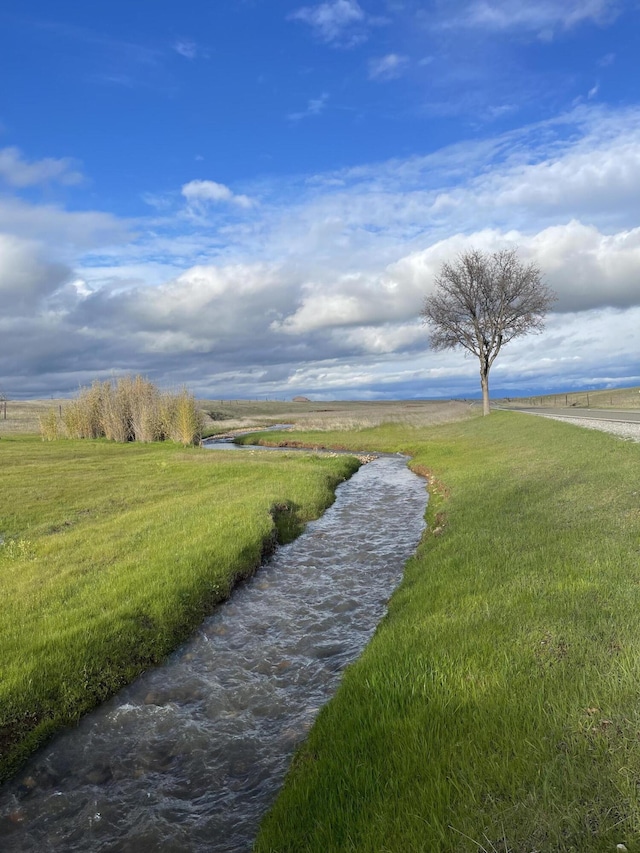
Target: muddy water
[{"x": 191, "y": 755}]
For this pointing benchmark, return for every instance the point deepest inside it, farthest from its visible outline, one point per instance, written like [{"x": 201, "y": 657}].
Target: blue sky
[{"x": 253, "y": 197}]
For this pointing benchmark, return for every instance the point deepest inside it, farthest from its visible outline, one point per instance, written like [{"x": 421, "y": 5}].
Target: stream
[{"x": 191, "y": 755}]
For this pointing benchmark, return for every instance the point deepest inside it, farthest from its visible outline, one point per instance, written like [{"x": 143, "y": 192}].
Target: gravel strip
[{"x": 631, "y": 432}]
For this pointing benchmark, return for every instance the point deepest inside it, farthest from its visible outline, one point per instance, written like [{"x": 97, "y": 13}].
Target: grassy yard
[
  {"x": 498, "y": 706},
  {"x": 112, "y": 554}
]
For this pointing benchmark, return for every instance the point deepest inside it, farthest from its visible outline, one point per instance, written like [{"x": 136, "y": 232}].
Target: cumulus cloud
[
  {"x": 587, "y": 269},
  {"x": 578, "y": 179},
  {"x": 205, "y": 192},
  {"x": 387, "y": 67},
  {"x": 16, "y": 171},
  {"x": 337, "y": 22},
  {"x": 319, "y": 290},
  {"x": 65, "y": 230},
  {"x": 26, "y": 278},
  {"x": 596, "y": 348}
]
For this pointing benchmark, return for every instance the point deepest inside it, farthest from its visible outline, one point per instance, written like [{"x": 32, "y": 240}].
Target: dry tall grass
[
  {"x": 336, "y": 414},
  {"x": 368, "y": 415},
  {"x": 611, "y": 398},
  {"x": 128, "y": 409},
  {"x": 23, "y": 416},
  {"x": 183, "y": 417},
  {"x": 49, "y": 425},
  {"x": 82, "y": 417}
]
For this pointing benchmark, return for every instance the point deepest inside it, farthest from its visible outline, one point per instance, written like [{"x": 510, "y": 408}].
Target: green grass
[
  {"x": 112, "y": 554},
  {"x": 497, "y": 707},
  {"x": 611, "y": 398}
]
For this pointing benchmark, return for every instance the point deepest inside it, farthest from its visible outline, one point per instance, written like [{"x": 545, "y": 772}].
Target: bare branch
[{"x": 481, "y": 302}]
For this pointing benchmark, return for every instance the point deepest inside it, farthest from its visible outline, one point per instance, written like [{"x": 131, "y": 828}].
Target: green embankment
[
  {"x": 112, "y": 554},
  {"x": 498, "y": 706}
]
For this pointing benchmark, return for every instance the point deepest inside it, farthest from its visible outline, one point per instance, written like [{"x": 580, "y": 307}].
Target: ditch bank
[{"x": 192, "y": 754}]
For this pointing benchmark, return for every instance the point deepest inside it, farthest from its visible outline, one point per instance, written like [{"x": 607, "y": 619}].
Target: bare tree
[{"x": 483, "y": 301}]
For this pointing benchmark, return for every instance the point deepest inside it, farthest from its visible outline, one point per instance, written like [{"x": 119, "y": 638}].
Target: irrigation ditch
[{"x": 191, "y": 755}]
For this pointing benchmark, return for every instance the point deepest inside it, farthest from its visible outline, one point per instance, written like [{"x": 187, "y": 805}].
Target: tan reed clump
[
  {"x": 82, "y": 417},
  {"x": 182, "y": 418},
  {"x": 50, "y": 425},
  {"x": 146, "y": 410},
  {"x": 130, "y": 408}
]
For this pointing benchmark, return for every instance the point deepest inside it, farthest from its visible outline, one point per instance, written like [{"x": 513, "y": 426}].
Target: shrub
[
  {"x": 130, "y": 408},
  {"x": 145, "y": 408},
  {"x": 83, "y": 417},
  {"x": 49, "y": 426},
  {"x": 183, "y": 418}
]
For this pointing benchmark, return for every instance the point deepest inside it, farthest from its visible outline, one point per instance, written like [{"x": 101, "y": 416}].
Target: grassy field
[
  {"x": 111, "y": 555},
  {"x": 497, "y": 707},
  {"x": 616, "y": 398},
  {"x": 223, "y": 415}
]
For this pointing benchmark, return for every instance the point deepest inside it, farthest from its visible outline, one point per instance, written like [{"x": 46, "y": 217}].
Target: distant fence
[{"x": 623, "y": 398}]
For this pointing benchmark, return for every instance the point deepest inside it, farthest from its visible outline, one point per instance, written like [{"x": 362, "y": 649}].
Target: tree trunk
[{"x": 484, "y": 382}]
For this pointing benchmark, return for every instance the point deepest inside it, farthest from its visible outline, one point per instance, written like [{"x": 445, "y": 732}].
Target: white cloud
[
  {"x": 186, "y": 48},
  {"x": 64, "y": 231},
  {"x": 542, "y": 17},
  {"x": 314, "y": 107},
  {"x": 202, "y": 192},
  {"x": 18, "y": 172},
  {"x": 607, "y": 60},
  {"x": 319, "y": 290},
  {"x": 589, "y": 174},
  {"x": 587, "y": 269},
  {"x": 26, "y": 278},
  {"x": 387, "y": 67},
  {"x": 596, "y": 348},
  {"x": 337, "y": 21}
]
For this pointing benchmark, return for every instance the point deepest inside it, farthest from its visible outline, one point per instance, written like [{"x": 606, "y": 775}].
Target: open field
[
  {"x": 617, "y": 398},
  {"x": 339, "y": 414},
  {"x": 496, "y": 708},
  {"x": 222, "y": 415},
  {"x": 111, "y": 554},
  {"x": 22, "y": 415}
]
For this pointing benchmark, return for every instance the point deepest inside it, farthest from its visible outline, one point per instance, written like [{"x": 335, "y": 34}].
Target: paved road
[{"x": 619, "y": 415}]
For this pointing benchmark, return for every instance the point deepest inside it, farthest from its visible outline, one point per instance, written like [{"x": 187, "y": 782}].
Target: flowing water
[{"x": 191, "y": 756}]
